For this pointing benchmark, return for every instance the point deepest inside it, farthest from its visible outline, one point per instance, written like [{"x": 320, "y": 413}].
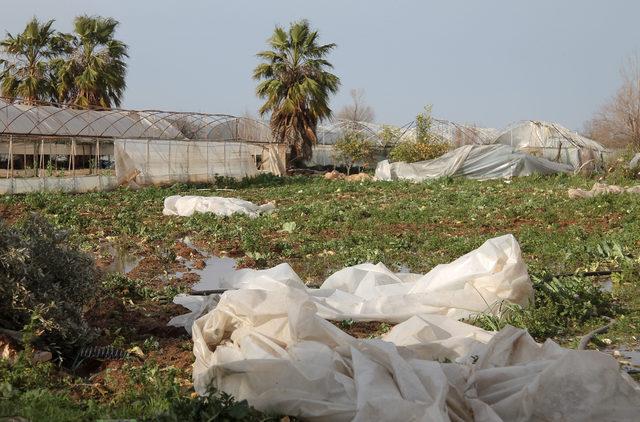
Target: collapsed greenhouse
[
  {"x": 546, "y": 140},
  {"x": 555, "y": 143},
  {"x": 384, "y": 137},
  {"x": 48, "y": 147}
]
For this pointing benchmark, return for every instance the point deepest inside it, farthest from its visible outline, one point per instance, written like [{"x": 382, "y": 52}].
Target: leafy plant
[
  {"x": 560, "y": 305},
  {"x": 389, "y": 135},
  {"x": 353, "y": 148},
  {"x": 426, "y": 146},
  {"x": 45, "y": 282},
  {"x": 216, "y": 406}
]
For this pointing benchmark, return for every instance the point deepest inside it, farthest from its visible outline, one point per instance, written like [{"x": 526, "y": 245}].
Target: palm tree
[
  {"x": 296, "y": 86},
  {"x": 26, "y": 73},
  {"x": 93, "y": 73}
]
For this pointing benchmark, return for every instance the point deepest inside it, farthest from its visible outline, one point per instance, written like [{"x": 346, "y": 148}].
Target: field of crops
[{"x": 319, "y": 227}]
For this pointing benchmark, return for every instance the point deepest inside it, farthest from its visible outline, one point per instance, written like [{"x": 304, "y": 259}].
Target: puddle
[
  {"x": 631, "y": 356},
  {"x": 606, "y": 285},
  {"x": 123, "y": 261},
  {"x": 629, "y": 360},
  {"x": 217, "y": 270}
]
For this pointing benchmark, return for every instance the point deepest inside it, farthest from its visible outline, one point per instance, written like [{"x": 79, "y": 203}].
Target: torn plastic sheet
[
  {"x": 187, "y": 205},
  {"x": 273, "y": 349},
  {"x": 476, "y": 282},
  {"x": 472, "y": 161},
  {"x": 270, "y": 342}
]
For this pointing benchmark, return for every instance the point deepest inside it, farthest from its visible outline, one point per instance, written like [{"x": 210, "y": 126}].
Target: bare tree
[
  {"x": 618, "y": 122},
  {"x": 358, "y": 111}
]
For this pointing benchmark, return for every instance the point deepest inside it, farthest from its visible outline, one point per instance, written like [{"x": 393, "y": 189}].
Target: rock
[
  {"x": 40, "y": 356},
  {"x": 334, "y": 175},
  {"x": 360, "y": 177}
]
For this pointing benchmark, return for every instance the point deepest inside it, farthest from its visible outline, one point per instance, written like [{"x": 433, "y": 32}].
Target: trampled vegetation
[{"x": 319, "y": 227}]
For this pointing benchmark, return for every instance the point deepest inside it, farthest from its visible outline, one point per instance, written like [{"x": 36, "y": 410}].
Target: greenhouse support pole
[
  {"x": 188, "y": 170},
  {"x": 208, "y": 144},
  {"x": 73, "y": 158},
  {"x": 146, "y": 161},
  {"x": 10, "y": 162},
  {"x": 33, "y": 162},
  {"x": 41, "y": 170},
  {"x": 98, "y": 156},
  {"x": 69, "y": 160}
]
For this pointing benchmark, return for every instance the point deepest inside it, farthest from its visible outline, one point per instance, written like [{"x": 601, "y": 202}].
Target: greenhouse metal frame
[{"x": 49, "y": 146}]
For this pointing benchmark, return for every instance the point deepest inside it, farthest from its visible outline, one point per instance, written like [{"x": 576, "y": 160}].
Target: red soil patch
[{"x": 11, "y": 213}]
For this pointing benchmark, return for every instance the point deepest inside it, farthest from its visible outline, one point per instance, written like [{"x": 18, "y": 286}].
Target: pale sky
[{"x": 486, "y": 62}]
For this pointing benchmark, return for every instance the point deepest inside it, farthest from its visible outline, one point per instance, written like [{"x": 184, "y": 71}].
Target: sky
[{"x": 489, "y": 62}]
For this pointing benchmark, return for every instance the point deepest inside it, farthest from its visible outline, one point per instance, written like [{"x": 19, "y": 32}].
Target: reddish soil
[
  {"x": 186, "y": 252},
  {"x": 12, "y": 213}
]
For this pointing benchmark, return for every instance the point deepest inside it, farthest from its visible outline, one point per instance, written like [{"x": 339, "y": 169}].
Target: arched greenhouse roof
[{"x": 48, "y": 120}]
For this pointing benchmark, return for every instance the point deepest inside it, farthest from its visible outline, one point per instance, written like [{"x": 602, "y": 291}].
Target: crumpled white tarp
[
  {"x": 472, "y": 161},
  {"x": 601, "y": 189},
  {"x": 270, "y": 342},
  {"x": 474, "y": 283},
  {"x": 187, "y": 205}
]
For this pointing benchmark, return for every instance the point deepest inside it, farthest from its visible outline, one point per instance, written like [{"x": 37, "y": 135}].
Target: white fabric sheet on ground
[
  {"x": 275, "y": 350},
  {"x": 472, "y": 161},
  {"x": 601, "y": 189},
  {"x": 187, "y": 205},
  {"x": 270, "y": 342},
  {"x": 474, "y": 283}
]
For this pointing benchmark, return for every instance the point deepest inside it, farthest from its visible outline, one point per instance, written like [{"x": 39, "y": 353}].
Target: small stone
[{"x": 40, "y": 356}]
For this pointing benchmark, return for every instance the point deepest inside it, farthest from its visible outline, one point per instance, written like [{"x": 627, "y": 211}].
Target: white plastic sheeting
[
  {"x": 269, "y": 342},
  {"x": 473, "y": 161},
  {"x": 188, "y": 205},
  {"x": 79, "y": 184},
  {"x": 162, "y": 162},
  {"x": 553, "y": 142},
  {"x": 473, "y": 283}
]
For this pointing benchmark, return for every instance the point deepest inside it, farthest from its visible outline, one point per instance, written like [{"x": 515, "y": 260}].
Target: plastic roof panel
[{"x": 17, "y": 118}]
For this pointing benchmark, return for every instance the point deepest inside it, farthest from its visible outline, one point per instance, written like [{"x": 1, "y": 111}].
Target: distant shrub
[
  {"x": 45, "y": 284},
  {"x": 426, "y": 146},
  {"x": 353, "y": 148},
  {"x": 412, "y": 151},
  {"x": 389, "y": 135}
]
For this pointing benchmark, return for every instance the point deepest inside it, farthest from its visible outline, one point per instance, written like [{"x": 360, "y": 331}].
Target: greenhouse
[
  {"x": 48, "y": 147},
  {"x": 384, "y": 137},
  {"x": 554, "y": 142}
]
